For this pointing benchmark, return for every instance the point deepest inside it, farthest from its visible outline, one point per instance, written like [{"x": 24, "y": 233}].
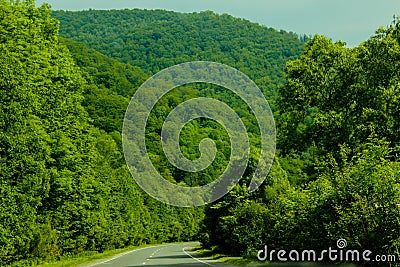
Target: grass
[{"x": 238, "y": 261}]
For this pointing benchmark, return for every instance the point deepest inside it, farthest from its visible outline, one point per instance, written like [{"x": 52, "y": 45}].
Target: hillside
[
  {"x": 152, "y": 40},
  {"x": 156, "y": 39}
]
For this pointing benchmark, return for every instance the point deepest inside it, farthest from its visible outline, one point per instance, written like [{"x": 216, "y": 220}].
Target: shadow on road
[
  {"x": 199, "y": 264},
  {"x": 195, "y": 264},
  {"x": 171, "y": 257}
]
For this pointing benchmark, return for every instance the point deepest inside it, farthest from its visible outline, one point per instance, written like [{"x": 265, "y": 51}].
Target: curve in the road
[{"x": 172, "y": 255}]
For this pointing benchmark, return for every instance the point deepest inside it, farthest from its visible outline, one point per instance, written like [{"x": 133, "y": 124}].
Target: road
[{"x": 172, "y": 255}]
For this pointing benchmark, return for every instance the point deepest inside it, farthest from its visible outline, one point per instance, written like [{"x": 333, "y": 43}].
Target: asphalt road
[{"x": 172, "y": 255}]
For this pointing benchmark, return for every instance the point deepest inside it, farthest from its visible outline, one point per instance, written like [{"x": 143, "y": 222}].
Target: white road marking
[
  {"x": 184, "y": 250},
  {"x": 123, "y": 254}
]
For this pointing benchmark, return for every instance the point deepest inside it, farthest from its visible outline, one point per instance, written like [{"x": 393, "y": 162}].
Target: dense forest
[
  {"x": 156, "y": 39},
  {"x": 66, "y": 79}
]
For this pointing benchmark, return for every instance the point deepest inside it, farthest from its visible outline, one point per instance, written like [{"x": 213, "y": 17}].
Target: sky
[{"x": 352, "y": 21}]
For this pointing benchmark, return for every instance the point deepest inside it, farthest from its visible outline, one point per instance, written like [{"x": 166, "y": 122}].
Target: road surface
[{"x": 172, "y": 255}]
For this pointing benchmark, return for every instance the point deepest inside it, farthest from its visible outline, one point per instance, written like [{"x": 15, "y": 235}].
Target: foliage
[
  {"x": 157, "y": 39},
  {"x": 337, "y": 172},
  {"x": 64, "y": 185}
]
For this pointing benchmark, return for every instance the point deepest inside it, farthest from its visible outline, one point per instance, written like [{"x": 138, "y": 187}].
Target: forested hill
[{"x": 156, "y": 39}]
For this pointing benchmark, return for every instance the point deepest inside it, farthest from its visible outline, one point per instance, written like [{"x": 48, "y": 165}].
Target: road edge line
[
  {"x": 120, "y": 255},
  {"x": 184, "y": 250}
]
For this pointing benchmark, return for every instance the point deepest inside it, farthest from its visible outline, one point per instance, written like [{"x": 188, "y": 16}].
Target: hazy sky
[{"x": 352, "y": 21}]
